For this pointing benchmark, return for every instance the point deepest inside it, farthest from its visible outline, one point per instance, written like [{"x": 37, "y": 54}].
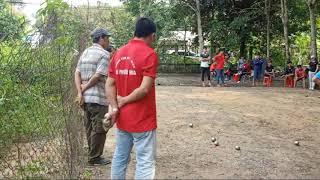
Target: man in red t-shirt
[
  {"x": 300, "y": 76},
  {"x": 219, "y": 61},
  {"x": 131, "y": 88}
]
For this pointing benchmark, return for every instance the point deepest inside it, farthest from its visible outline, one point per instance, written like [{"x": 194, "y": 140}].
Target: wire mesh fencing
[{"x": 41, "y": 126}]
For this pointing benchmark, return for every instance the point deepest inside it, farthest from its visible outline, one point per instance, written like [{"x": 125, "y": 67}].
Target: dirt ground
[{"x": 264, "y": 122}]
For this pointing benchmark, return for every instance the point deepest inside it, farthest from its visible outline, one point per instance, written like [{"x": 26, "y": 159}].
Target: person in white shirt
[{"x": 205, "y": 70}]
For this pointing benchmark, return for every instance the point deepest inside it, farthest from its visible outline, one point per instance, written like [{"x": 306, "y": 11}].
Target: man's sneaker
[{"x": 99, "y": 162}]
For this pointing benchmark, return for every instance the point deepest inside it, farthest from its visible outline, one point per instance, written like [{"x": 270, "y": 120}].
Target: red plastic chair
[
  {"x": 236, "y": 77},
  {"x": 267, "y": 81},
  {"x": 289, "y": 82}
]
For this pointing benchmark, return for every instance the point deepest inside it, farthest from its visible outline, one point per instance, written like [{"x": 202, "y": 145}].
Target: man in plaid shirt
[{"x": 90, "y": 78}]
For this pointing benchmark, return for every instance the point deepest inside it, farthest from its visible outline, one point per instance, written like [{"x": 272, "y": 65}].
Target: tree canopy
[{"x": 244, "y": 27}]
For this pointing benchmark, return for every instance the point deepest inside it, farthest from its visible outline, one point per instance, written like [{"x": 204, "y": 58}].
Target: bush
[
  {"x": 32, "y": 82},
  {"x": 177, "y": 59}
]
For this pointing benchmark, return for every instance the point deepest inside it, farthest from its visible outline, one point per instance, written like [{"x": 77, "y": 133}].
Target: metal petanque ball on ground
[
  {"x": 191, "y": 125},
  {"x": 237, "y": 148},
  {"x": 216, "y": 143},
  {"x": 213, "y": 139},
  {"x": 297, "y": 143}
]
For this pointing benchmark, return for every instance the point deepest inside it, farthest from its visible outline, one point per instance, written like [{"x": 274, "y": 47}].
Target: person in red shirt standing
[
  {"x": 219, "y": 61},
  {"x": 131, "y": 88}
]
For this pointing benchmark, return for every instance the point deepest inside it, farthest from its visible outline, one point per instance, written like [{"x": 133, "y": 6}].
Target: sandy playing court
[{"x": 264, "y": 122}]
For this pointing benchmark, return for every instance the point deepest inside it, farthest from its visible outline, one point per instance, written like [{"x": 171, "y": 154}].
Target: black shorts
[{"x": 300, "y": 78}]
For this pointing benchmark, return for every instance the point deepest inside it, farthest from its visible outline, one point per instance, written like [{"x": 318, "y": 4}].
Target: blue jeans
[
  {"x": 220, "y": 76},
  {"x": 257, "y": 73},
  {"x": 145, "y": 146}
]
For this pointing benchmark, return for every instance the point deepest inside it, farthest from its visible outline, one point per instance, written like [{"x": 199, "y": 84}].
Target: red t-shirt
[
  {"x": 128, "y": 66},
  {"x": 300, "y": 73},
  {"x": 246, "y": 67},
  {"x": 219, "y": 59}
]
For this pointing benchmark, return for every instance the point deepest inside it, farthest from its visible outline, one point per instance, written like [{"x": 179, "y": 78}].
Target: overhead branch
[{"x": 189, "y": 5}]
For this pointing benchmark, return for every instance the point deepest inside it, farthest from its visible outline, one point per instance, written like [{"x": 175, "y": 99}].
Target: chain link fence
[{"x": 41, "y": 126}]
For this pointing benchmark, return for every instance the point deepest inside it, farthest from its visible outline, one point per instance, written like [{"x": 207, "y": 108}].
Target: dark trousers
[
  {"x": 220, "y": 76},
  {"x": 257, "y": 74},
  {"x": 96, "y": 135},
  {"x": 204, "y": 71}
]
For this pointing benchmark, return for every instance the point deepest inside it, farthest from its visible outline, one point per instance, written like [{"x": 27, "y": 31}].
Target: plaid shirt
[{"x": 94, "y": 60}]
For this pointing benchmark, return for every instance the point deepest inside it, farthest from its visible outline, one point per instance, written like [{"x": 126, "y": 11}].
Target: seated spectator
[
  {"x": 240, "y": 64},
  {"x": 269, "y": 71},
  {"x": 289, "y": 75},
  {"x": 228, "y": 74},
  {"x": 245, "y": 69},
  {"x": 316, "y": 79},
  {"x": 268, "y": 74},
  {"x": 299, "y": 75}
]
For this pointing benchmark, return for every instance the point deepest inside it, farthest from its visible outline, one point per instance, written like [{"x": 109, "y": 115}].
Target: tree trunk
[
  {"x": 285, "y": 20},
  {"x": 185, "y": 44},
  {"x": 267, "y": 8},
  {"x": 250, "y": 52},
  {"x": 212, "y": 48},
  {"x": 200, "y": 35},
  {"x": 243, "y": 47},
  {"x": 312, "y": 9}
]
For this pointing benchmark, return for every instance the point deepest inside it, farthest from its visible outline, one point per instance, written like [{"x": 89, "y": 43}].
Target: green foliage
[
  {"x": 31, "y": 168},
  {"x": 160, "y": 11},
  {"x": 302, "y": 52},
  {"x": 87, "y": 174},
  {"x": 35, "y": 78},
  {"x": 11, "y": 26},
  {"x": 241, "y": 25},
  {"x": 177, "y": 59},
  {"x": 278, "y": 56},
  {"x": 27, "y": 99},
  {"x": 299, "y": 16},
  {"x": 53, "y": 7},
  {"x": 117, "y": 20},
  {"x": 123, "y": 26}
]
